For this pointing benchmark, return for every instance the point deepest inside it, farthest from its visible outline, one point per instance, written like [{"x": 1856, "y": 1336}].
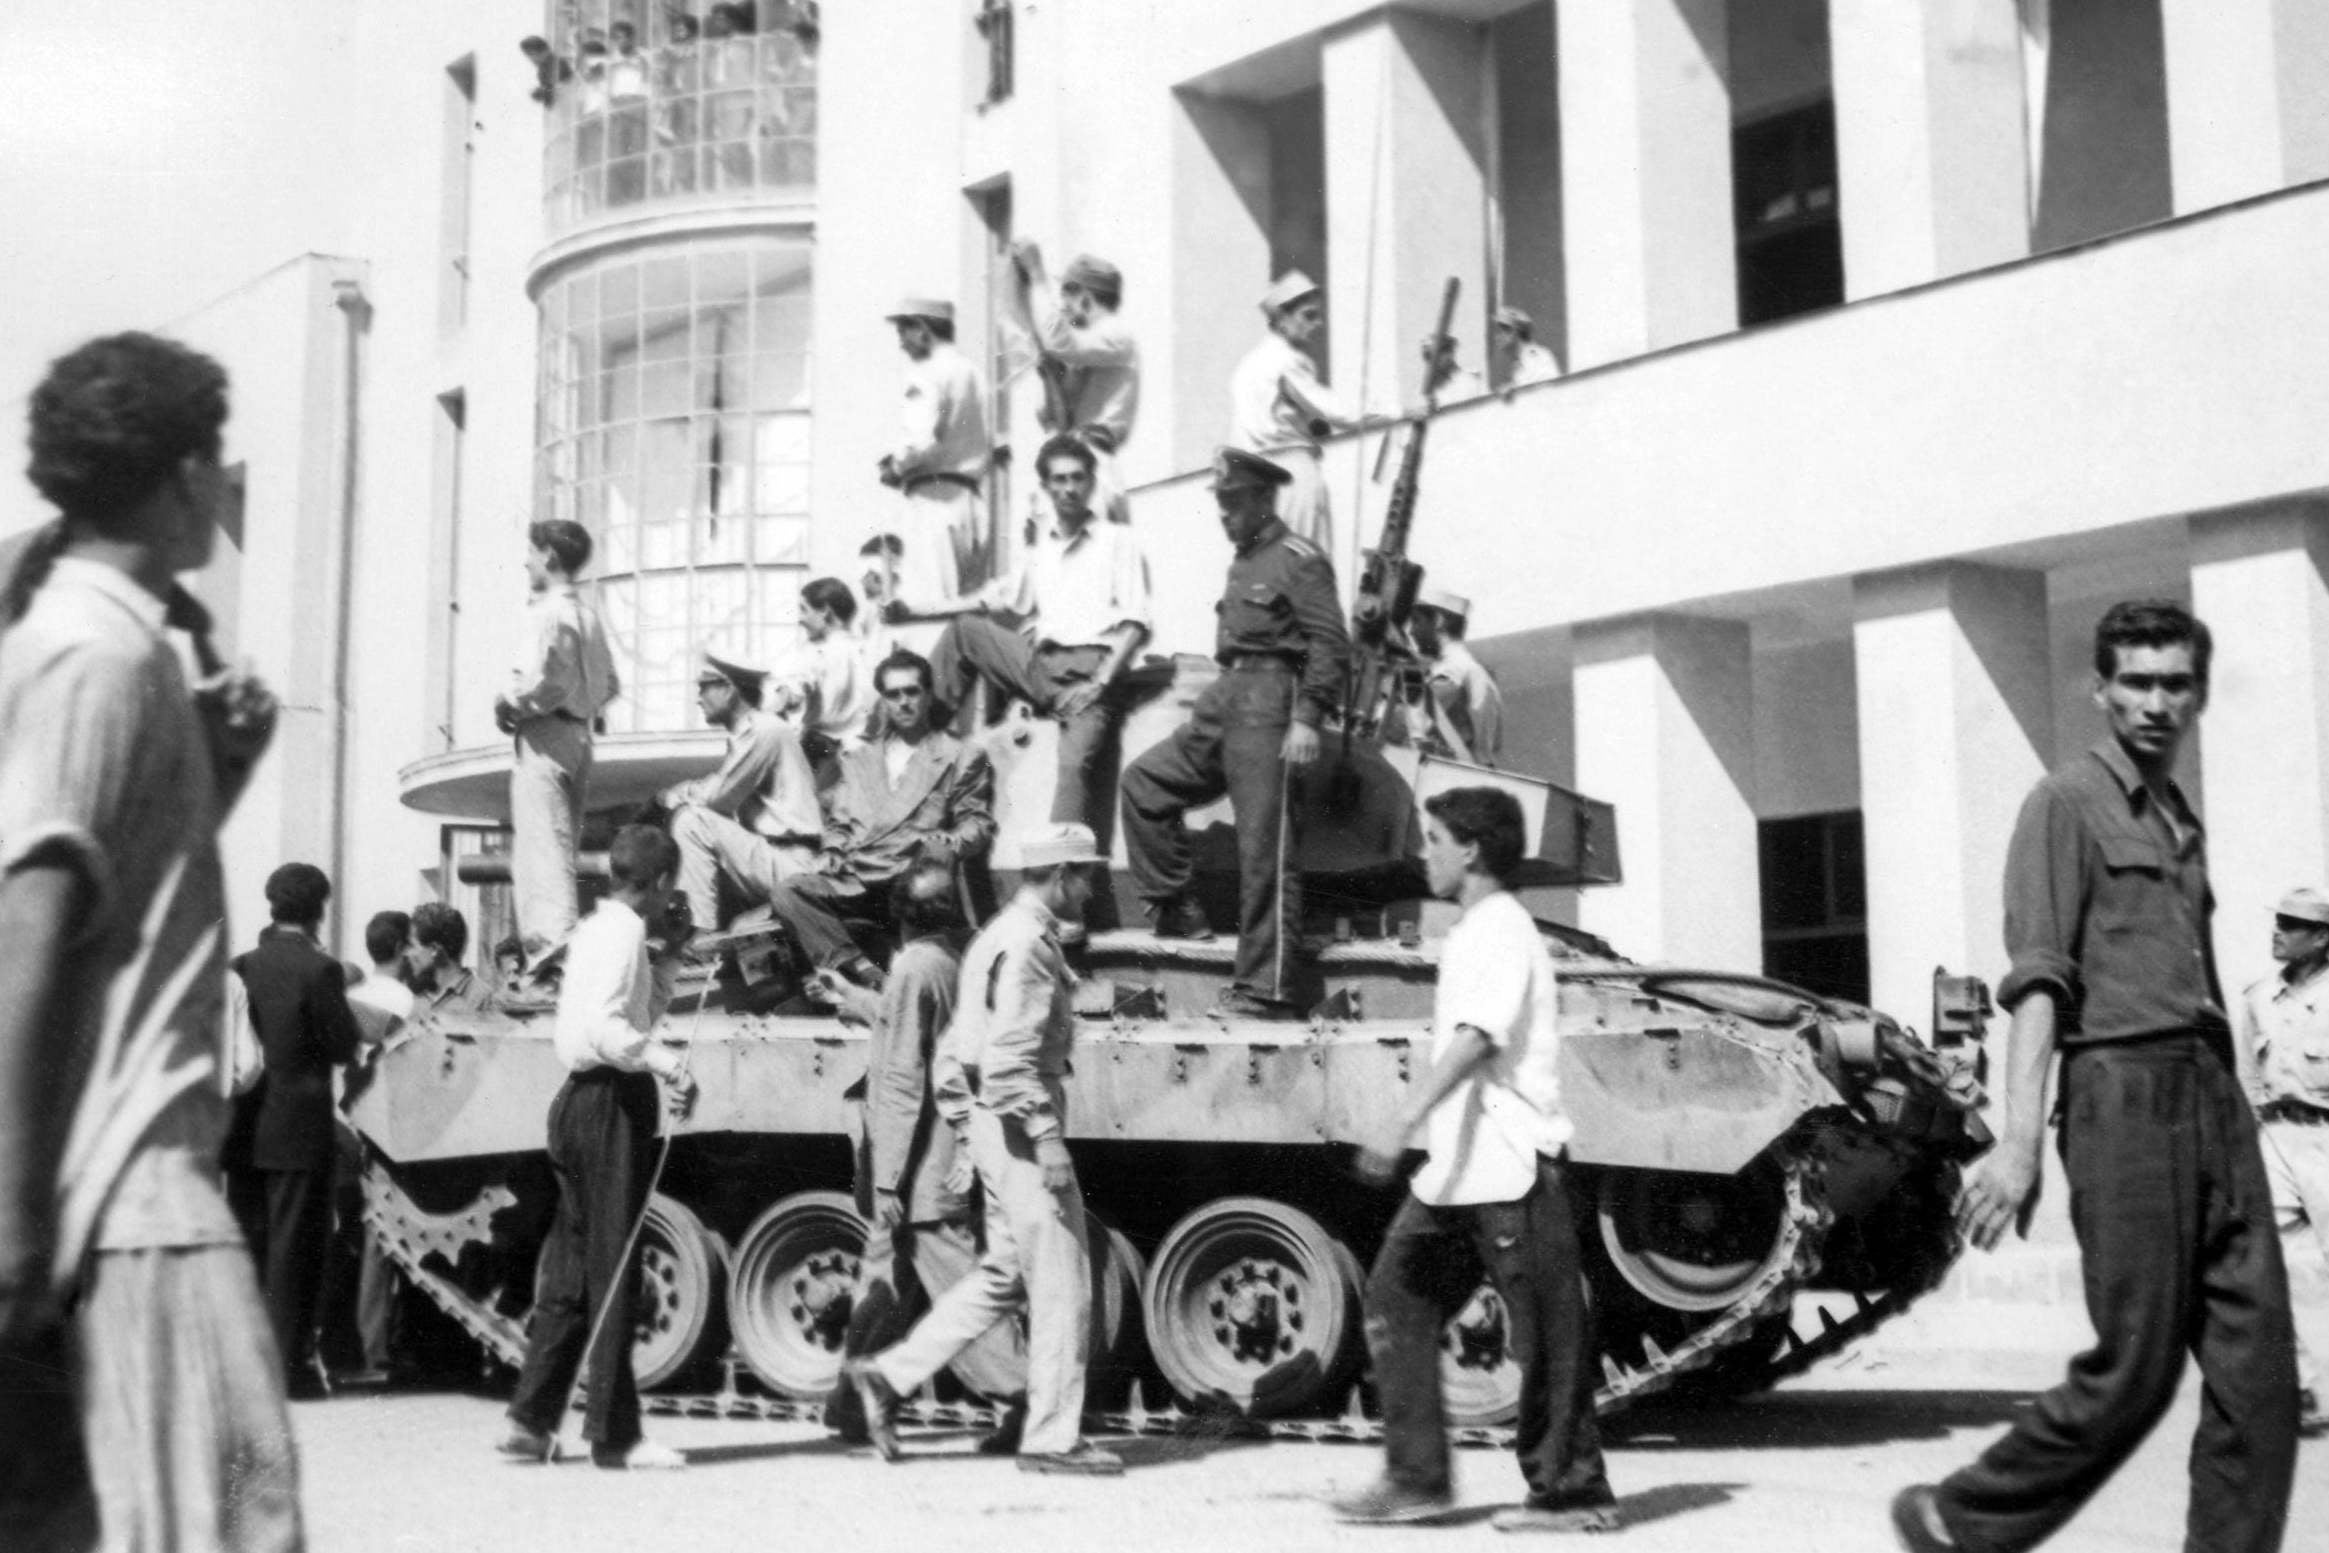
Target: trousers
[
  {"x": 549, "y": 784},
  {"x": 714, "y": 849},
  {"x": 2174, "y": 1224},
  {"x": 1037, "y": 1257},
  {"x": 1232, "y": 743},
  {"x": 940, "y": 525},
  {"x": 973, "y": 648},
  {"x": 286, "y": 1217},
  {"x": 902, "y": 1272},
  {"x": 2296, "y": 1163},
  {"x": 819, "y": 908},
  {"x": 602, "y": 1141},
  {"x": 1432, "y": 1260}
]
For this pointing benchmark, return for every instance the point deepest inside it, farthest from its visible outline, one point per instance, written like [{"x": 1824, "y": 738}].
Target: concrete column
[
  {"x": 1220, "y": 242},
  {"x": 2247, "y": 97},
  {"x": 1406, "y": 196},
  {"x": 1955, "y": 721},
  {"x": 1930, "y": 139},
  {"x": 1646, "y": 175},
  {"x": 2257, "y": 580},
  {"x": 1665, "y": 730}
]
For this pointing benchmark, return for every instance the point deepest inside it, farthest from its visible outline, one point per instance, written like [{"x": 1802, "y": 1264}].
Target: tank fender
[{"x": 1675, "y": 1098}]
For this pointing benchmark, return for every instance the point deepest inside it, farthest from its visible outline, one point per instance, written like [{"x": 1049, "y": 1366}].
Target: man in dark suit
[
  {"x": 283, "y": 1126},
  {"x": 916, "y": 793}
]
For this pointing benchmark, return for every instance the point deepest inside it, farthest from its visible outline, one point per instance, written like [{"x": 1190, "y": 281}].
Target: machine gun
[{"x": 1388, "y": 580}]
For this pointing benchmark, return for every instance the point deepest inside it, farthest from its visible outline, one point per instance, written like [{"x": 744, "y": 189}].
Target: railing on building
[{"x": 672, "y": 104}]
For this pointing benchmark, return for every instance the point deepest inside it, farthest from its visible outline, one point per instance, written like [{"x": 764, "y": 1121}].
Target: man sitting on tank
[
  {"x": 915, "y": 794},
  {"x": 754, "y": 821}
]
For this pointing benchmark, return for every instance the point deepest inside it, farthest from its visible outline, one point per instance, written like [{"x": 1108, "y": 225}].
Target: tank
[{"x": 1740, "y": 1144}]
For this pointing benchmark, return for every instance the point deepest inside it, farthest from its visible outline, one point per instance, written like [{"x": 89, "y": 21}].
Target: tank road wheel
[
  {"x": 1253, "y": 1304},
  {"x": 1117, "y": 1349},
  {"x": 683, "y": 1267},
  {"x": 1477, "y": 1375},
  {"x": 1693, "y": 1242},
  {"x": 790, "y": 1295}
]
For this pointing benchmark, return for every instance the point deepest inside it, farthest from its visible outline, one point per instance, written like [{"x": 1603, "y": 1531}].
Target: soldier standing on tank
[
  {"x": 1001, "y": 1076},
  {"x": 913, "y": 1174},
  {"x": 1491, "y": 1199},
  {"x": 1285, "y": 657},
  {"x": 2106, "y": 915}
]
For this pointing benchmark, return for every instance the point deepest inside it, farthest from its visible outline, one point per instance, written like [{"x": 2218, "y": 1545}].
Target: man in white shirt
[
  {"x": 562, "y": 681},
  {"x": 825, "y": 688},
  {"x": 1082, "y": 601},
  {"x": 939, "y": 462},
  {"x": 602, "y": 1142},
  {"x": 1491, "y": 1199},
  {"x": 1466, "y": 714},
  {"x": 1521, "y": 359},
  {"x": 1090, "y": 364},
  {"x": 754, "y": 822},
  {"x": 383, "y": 1006},
  {"x": 1279, "y": 406}
]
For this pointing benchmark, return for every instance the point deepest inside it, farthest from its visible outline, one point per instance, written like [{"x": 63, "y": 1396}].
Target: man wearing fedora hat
[
  {"x": 939, "y": 463},
  {"x": 1285, "y": 655},
  {"x": 2284, "y": 1059},
  {"x": 1000, "y": 1083},
  {"x": 1462, "y": 690},
  {"x": 1092, "y": 361},
  {"x": 755, "y": 820},
  {"x": 1279, "y": 406}
]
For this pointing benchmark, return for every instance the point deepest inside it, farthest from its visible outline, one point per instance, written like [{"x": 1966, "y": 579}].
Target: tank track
[{"x": 408, "y": 1234}]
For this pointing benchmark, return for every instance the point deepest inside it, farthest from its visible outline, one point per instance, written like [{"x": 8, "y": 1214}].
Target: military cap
[
  {"x": 1235, "y": 467},
  {"x": 733, "y": 668},
  {"x": 936, "y": 309},
  {"x": 1287, "y": 290},
  {"x": 1056, "y": 842},
  {"x": 1445, "y": 602},
  {"x": 2306, "y": 905},
  {"x": 1096, "y": 275}
]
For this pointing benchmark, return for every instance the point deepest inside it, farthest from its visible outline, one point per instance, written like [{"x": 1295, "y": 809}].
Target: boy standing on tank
[{"x": 1491, "y": 1198}]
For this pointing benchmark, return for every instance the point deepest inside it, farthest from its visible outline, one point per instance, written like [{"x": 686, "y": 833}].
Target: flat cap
[
  {"x": 1287, "y": 290},
  {"x": 937, "y": 309},
  {"x": 734, "y": 668},
  {"x": 1445, "y": 602},
  {"x": 1095, "y": 275},
  {"x": 1235, "y": 467},
  {"x": 1056, "y": 842},
  {"x": 2306, "y": 905}
]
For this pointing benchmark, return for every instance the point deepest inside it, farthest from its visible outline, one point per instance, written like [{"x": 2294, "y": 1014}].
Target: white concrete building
[{"x": 1899, "y": 338}]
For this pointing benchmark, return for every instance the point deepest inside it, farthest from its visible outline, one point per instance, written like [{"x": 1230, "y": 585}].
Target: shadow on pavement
[
  {"x": 1671, "y": 1499},
  {"x": 727, "y": 1455},
  {"x": 1798, "y": 1420}
]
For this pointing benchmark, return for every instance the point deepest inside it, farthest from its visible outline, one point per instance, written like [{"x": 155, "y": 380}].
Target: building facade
[{"x": 1898, "y": 340}]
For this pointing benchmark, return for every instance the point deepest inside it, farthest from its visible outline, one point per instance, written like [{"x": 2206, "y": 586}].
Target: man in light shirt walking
[
  {"x": 602, "y": 1141},
  {"x": 1492, "y": 1198}
]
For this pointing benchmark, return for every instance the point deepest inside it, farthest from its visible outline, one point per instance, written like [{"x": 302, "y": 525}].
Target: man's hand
[
  {"x": 2002, "y": 1189},
  {"x": 1380, "y": 1152},
  {"x": 1059, "y": 1169},
  {"x": 505, "y": 716},
  {"x": 1300, "y": 748},
  {"x": 239, "y": 711},
  {"x": 962, "y": 1175},
  {"x": 1077, "y": 698},
  {"x": 679, "y": 1093},
  {"x": 889, "y": 1209},
  {"x": 1027, "y": 257}
]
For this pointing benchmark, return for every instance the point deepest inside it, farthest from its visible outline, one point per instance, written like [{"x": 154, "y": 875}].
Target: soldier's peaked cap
[
  {"x": 1234, "y": 467},
  {"x": 734, "y": 668},
  {"x": 2306, "y": 905},
  {"x": 937, "y": 308}
]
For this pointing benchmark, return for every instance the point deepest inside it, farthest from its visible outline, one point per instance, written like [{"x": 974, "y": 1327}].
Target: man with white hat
[
  {"x": 2284, "y": 1062},
  {"x": 1000, "y": 1083},
  {"x": 1523, "y": 360},
  {"x": 1090, "y": 361},
  {"x": 939, "y": 462},
  {"x": 755, "y": 820},
  {"x": 1463, "y": 693},
  {"x": 1279, "y": 406}
]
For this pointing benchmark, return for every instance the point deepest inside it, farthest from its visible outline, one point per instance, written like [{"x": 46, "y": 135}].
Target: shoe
[
  {"x": 530, "y": 1447},
  {"x": 2312, "y": 1423},
  {"x": 638, "y": 1456},
  {"x": 1084, "y": 1460},
  {"x": 1244, "y": 1003},
  {"x": 1179, "y": 917},
  {"x": 1385, "y": 1503},
  {"x": 881, "y": 1406},
  {"x": 1916, "y": 1520},
  {"x": 1003, "y": 1439},
  {"x": 1536, "y": 1515}
]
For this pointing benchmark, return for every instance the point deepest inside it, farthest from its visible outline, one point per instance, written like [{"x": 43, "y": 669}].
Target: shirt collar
[
  {"x": 113, "y": 583},
  {"x": 2121, "y": 766},
  {"x": 1272, "y": 532},
  {"x": 1032, "y": 904},
  {"x": 1068, "y": 541}
]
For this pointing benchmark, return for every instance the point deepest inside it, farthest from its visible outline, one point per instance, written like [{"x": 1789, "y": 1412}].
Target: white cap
[
  {"x": 1057, "y": 842},
  {"x": 1286, "y": 290},
  {"x": 1445, "y": 602}
]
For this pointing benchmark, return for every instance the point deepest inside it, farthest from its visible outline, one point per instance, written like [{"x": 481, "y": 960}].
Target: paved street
[{"x": 1803, "y": 1471}]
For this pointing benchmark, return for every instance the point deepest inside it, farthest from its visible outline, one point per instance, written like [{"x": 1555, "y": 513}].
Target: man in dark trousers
[
  {"x": 299, "y": 1008},
  {"x": 1285, "y": 655},
  {"x": 2107, "y": 906},
  {"x": 602, "y": 1144}
]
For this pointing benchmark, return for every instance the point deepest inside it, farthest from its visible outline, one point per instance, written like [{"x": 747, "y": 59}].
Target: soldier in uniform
[{"x": 1285, "y": 656}]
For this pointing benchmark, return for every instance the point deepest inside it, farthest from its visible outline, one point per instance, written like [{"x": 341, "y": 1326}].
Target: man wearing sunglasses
[
  {"x": 916, "y": 793},
  {"x": 754, "y": 821}
]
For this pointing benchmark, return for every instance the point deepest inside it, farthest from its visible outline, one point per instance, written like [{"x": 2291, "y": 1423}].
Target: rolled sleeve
[{"x": 2045, "y": 895}]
